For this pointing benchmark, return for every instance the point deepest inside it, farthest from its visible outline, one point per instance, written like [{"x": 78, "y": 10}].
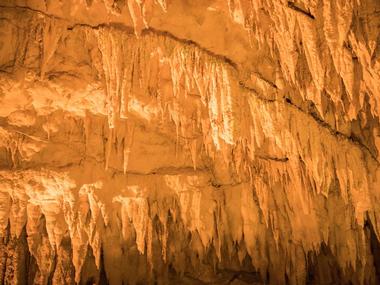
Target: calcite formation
[{"x": 189, "y": 142}]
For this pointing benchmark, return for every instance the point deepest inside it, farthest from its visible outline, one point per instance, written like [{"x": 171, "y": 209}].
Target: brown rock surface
[{"x": 189, "y": 142}]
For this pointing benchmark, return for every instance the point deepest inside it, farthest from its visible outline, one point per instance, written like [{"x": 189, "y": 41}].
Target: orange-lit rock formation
[{"x": 189, "y": 142}]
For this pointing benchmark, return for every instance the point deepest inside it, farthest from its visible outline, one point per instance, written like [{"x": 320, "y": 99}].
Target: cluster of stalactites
[
  {"x": 327, "y": 41},
  {"x": 165, "y": 211},
  {"x": 199, "y": 98}
]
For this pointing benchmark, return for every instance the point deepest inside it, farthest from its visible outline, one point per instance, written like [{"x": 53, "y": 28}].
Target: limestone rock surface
[{"x": 189, "y": 142}]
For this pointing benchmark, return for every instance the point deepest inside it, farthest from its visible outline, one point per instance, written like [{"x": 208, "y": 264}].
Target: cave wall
[{"x": 189, "y": 142}]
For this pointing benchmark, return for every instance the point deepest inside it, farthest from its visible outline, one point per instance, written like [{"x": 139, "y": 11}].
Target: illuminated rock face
[{"x": 181, "y": 142}]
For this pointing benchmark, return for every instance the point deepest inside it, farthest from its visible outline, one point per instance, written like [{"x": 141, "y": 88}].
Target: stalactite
[{"x": 52, "y": 32}]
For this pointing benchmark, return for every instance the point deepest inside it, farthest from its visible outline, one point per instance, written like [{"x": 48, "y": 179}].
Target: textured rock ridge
[{"x": 189, "y": 142}]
